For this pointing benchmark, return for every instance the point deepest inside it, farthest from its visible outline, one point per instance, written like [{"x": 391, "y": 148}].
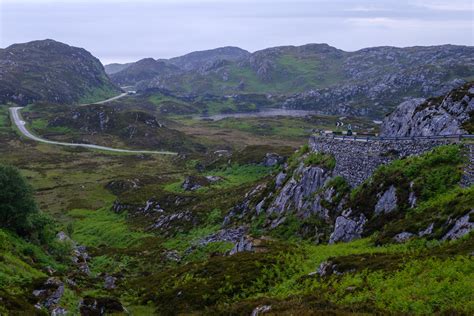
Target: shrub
[
  {"x": 16, "y": 201},
  {"x": 322, "y": 160}
]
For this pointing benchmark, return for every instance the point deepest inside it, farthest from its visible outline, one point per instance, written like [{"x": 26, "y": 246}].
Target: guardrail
[{"x": 375, "y": 138}]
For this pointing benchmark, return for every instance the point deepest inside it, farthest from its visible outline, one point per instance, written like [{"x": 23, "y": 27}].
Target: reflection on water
[{"x": 261, "y": 113}]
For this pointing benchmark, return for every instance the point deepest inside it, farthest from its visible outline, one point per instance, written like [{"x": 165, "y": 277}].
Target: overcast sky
[{"x": 122, "y": 31}]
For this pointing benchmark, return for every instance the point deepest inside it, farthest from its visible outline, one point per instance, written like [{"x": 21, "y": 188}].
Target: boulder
[
  {"x": 272, "y": 159},
  {"x": 461, "y": 227},
  {"x": 193, "y": 183},
  {"x": 387, "y": 201},
  {"x": 347, "y": 228},
  {"x": 403, "y": 237},
  {"x": 261, "y": 310}
]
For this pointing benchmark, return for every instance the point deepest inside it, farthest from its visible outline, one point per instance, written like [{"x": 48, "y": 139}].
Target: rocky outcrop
[
  {"x": 298, "y": 194},
  {"x": 461, "y": 227},
  {"x": 193, "y": 183},
  {"x": 79, "y": 255},
  {"x": 49, "y": 295},
  {"x": 437, "y": 116},
  {"x": 403, "y": 237},
  {"x": 387, "y": 201},
  {"x": 272, "y": 159},
  {"x": 347, "y": 227},
  {"x": 262, "y": 309}
]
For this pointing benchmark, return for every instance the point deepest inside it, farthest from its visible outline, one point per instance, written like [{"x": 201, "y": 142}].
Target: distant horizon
[
  {"x": 119, "y": 31},
  {"x": 234, "y": 46}
]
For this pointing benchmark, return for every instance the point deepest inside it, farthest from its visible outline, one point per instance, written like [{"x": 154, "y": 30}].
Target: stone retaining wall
[{"x": 357, "y": 160}]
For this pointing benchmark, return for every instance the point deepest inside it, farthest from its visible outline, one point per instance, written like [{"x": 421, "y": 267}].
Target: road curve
[
  {"x": 108, "y": 100},
  {"x": 16, "y": 118}
]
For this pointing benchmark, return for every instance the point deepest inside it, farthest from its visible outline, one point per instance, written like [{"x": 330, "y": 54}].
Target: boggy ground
[{"x": 168, "y": 270}]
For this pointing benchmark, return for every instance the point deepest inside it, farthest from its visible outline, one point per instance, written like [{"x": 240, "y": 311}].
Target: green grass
[
  {"x": 319, "y": 159},
  {"x": 103, "y": 227},
  {"x": 236, "y": 175},
  {"x": 99, "y": 94},
  {"x": 21, "y": 262},
  {"x": 41, "y": 126},
  {"x": 232, "y": 176},
  {"x": 422, "y": 287}
]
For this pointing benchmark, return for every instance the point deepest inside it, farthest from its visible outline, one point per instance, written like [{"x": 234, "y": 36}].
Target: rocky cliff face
[
  {"x": 447, "y": 115},
  {"x": 51, "y": 71}
]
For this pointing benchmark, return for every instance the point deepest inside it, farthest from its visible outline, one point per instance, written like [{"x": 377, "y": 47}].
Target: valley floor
[{"x": 122, "y": 206}]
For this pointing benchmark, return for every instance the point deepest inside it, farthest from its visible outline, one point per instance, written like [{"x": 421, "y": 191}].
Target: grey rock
[
  {"x": 79, "y": 255},
  {"x": 387, "y": 201},
  {"x": 272, "y": 159},
  {"x": 213, "y": 179},
  {"x": 109, "y": 282},
  {"x": 427, "y": 231},
  {"x": 419, "y": 117},
  {"x": 50, "y": 293},
  {"x": 165, "y": 221},
  {"x": 347, "y": 229},
  {"x": 461, "y": 227},
  {"x": 297, "y": 195},
  {"x": 229, "y": 235},
  {"x": 412, "y": 197},
  {"x": 59, "y": 311},
  {"x": 244, "y": 244},
  {"x": 261, "y": 310},
  {"x": 280, "y": 178},
  {"x": 173, "y": 255},
  {"x": 326, "y": 268},
  {"x": 403, "y": 237}
]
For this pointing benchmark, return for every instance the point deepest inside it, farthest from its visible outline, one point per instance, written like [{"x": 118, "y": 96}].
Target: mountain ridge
[{"x": 370, "y": 81}]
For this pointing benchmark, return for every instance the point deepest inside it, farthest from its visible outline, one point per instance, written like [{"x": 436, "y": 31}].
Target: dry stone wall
[{"x": 357, "y": 160}]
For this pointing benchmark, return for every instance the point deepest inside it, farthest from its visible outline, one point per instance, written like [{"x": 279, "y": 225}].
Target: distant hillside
[
  {"x": 370, "y": 81},
  {"x": 113, "y": 68},
  {"x": 51, "y": 71},
  {"x": 146, "y": 70},
  {"x": 206, "y": 58}
]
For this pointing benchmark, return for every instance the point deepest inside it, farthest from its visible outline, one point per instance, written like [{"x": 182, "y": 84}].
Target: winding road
[{"x": 21, "y": 124}]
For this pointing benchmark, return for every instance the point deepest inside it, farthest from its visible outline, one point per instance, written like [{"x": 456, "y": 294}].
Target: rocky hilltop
[
  {"x": 446, "y": 115},
  {"x": 204, "y": 59},
  {"x": 370, "y": 81},
  {"x": 148, "y": 70},
  {"x": 51, "y": 71}
]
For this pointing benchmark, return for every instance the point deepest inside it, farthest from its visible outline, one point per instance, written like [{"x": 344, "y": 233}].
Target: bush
[
  {"x": 322, "y": 160},
  {"x": 16, "y": 201}
]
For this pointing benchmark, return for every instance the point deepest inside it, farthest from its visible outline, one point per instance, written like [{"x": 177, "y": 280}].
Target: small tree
[{"x": 16, "y": 201}]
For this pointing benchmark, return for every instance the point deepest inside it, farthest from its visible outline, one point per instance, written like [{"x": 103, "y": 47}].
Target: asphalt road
[
  {"x": 16, "y": 118},
  {"x": 108, "y": 100}
]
